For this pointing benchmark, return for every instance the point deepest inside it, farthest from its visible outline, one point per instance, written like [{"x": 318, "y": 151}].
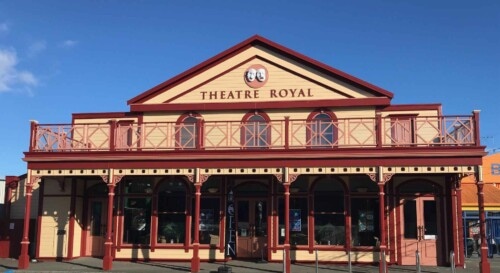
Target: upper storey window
[
  {"x": 495, "y": 169},
  {"x": 255, "y": 131},
  {"x": 187, "y": 132},
  {"x": 322, "y": 130},
  {"x": 402, "y": 130}
]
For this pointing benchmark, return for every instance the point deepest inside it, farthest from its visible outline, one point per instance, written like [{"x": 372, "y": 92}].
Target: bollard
[
  {"x": 452, "y": 261},
  {"x": 417, "y": 256},
  {"x": 317, "y": 265},
  {"x": 284, "y": 260},
  {"x": 384, "y": 264},
  {"x": 349, "y": 261}
]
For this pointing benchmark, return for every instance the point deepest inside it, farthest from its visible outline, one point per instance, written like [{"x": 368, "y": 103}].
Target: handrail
[{"x": 434, "y": 131}]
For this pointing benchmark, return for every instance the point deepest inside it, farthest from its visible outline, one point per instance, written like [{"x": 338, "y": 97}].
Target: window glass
[
  {"x": 209, "y": 221},
  {"x": 365, "y": 223},
  {"x": 322, "y": 131},
  {"x": 188, "y": 133},
  {"x": 410, "y": 219},
  {"x": 329, "y": 215},
  {"x": 172, "y": 212},
  {"x": 495, "y": 169},
  {"x": 255, "y": 132},
  {"x": 137, "y": 219}
]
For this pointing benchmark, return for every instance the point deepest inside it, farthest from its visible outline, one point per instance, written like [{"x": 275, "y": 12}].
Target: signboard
[{"x": 230, "y": 226}]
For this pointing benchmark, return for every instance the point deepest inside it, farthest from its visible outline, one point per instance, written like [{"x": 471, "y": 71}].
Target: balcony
[{"x": 284, "y": 134}]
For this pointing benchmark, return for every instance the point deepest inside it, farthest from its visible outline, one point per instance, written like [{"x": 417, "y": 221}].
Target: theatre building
[{"x": 259, "y": 153}]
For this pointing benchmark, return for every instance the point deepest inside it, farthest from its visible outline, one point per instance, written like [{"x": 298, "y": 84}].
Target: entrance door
[
  {"x": 251, "y": 221},
  {"x": 419, "y": 230},
  {"x": 96, "y": 227}
]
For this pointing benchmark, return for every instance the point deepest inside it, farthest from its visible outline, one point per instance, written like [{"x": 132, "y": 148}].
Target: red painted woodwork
[
  {"x": 484, "y": 264},
  {"x": 195, "y": 261},
  {"x": 383, "y": 230},
  {"x": 426, "y": 132}
]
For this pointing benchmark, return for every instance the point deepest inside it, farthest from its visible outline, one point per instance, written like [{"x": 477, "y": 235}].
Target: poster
[{"x": 295, "y": 220}]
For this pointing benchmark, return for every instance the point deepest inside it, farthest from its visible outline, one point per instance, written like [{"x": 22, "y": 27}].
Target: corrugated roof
[{"x": 491, "y": 195}]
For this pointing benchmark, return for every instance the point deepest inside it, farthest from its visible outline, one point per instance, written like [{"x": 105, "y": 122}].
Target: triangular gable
[{"x": 288, "y": 77}]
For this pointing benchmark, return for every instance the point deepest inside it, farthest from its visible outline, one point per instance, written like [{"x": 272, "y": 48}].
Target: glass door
[
  {"x": 419, "y": 230},
  {"x": 251, "y": 221}
]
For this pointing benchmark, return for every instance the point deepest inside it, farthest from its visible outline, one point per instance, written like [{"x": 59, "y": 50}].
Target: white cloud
[
  {"x": 10, "y": 77},
  {"x": 68, "y": 43},
  {"x": 36, "y": 48}
]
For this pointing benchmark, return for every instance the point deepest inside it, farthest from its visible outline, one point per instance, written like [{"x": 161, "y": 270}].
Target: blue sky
[{"x": 64, "y": 57}]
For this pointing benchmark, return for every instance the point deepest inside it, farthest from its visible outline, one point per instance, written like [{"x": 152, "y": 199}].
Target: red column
[
  {"x": 456, "y": 206},
  {"x": 24, "y": 258},
  {"x": 33, "y": 140},
  {"x": 287, "y": 133},
  {"x": 112, "y": 135},
  {"x": 383, "y": 245},
  {"x": 460, "y": 223},
  {"x": 484, "y": 265},
  {"x": 378, "y": 129},
  {"x": 195, "y": 261},
  {"x": 287, "y": 227},
  {"x": 477, "y": 137},
  {"x": 107, "y": 262}
]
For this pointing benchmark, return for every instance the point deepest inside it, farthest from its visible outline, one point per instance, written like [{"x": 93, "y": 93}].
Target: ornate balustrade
[{"x": 234, "y": 135}]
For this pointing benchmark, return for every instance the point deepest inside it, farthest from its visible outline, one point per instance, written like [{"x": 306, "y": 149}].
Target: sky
[{"x": 64, "y": 57}]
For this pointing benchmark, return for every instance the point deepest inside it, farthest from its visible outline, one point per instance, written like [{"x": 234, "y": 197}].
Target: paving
[{"x": 91, "y": 265}]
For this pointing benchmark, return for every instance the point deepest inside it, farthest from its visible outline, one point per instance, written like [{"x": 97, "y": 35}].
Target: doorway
[
  {"x": 251, "y": 222},
  {"x": 96, "y": 227},
  {"x": 420, "y": 222}
]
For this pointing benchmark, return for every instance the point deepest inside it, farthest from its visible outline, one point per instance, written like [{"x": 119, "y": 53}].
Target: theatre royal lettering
[{"x": 257, "y": 94}]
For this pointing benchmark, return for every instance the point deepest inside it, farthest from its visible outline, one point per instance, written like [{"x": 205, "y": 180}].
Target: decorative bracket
[
  {"x": 386, "y": 177},
  {"x": 373, "y": 177},
  {"x": 204, "y": 178},
  {"x": 279, "y": 177},
  {"x": 33, "y": 179}
]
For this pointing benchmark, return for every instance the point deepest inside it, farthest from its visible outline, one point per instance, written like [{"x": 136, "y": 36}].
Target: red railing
[{"x": 282, "y": 134}]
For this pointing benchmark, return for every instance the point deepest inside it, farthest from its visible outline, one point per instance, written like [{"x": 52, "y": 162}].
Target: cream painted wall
[
  {"x": 228, "y": 75},
  {"x": 55, "y": 216},
  {"x": 19, "y": 200},
  {"x": 174, "y": 254}
]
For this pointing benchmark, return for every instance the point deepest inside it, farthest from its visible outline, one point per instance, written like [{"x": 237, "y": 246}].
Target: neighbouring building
[
  {"x": 491, "y": 178},
  {"x": 259, "y": 152}
]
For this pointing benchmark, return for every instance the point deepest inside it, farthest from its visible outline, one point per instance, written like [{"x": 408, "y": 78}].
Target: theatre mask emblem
[{"x": 256, "y": 76}]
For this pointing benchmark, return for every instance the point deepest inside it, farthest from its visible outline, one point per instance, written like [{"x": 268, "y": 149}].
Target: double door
[
  {"x": 420, "y": 232},
  {"x": 251, "y": 222}
]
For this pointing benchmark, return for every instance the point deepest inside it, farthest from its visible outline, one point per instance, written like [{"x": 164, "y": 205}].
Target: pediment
[{"x": 258, "y": 72}]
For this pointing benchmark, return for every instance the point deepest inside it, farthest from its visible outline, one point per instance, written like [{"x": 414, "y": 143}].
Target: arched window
[
  {"x": 255, "y": 131},
  {"x": 322, "y": 130},
  {"x": 187, "y": 132}
]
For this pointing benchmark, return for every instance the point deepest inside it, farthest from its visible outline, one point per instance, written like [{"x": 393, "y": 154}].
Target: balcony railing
[{"x": 234, "y": 135}]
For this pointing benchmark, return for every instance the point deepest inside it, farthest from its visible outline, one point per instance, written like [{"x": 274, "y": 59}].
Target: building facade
[
  {"x": 257, "y": 153},
  {"x": 491, "y": 178}
]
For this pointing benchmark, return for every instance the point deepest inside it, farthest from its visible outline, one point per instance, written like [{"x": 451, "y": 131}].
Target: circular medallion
[{"x": 256, "y": 76}]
